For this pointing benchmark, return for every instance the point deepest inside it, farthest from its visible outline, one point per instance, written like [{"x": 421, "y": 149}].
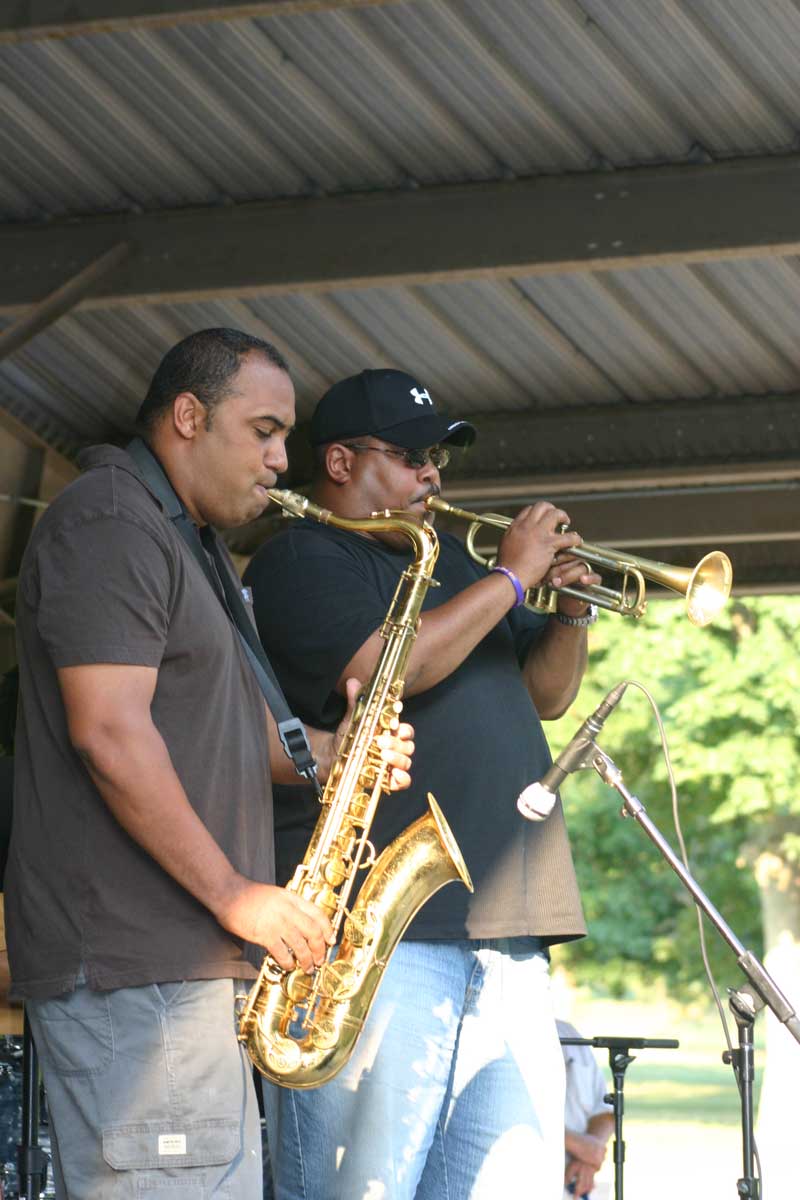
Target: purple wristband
[{"x": 518, "y": 588}]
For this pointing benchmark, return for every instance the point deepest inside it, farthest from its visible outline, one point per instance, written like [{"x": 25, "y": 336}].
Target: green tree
[{"x": 730, "y": 699}]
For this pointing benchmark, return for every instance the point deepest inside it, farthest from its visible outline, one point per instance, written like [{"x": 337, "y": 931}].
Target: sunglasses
[{"x": 438, "y": 455}]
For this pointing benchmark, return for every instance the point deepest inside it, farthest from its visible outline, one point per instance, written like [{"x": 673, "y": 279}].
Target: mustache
[{"x": 433, "y": 490}]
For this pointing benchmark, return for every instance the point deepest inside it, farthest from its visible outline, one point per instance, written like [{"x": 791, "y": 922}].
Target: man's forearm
[
  {"x": 108, "y": 709},
  {"x": 156, "y": 812},
  {"x": 446, "y": 635},
  {"x": 601, "y": 1125},
  {"x": 134, "y": 774},
  {"x": 590, "y": 1146},
  {"x": 554, "y": 668}
]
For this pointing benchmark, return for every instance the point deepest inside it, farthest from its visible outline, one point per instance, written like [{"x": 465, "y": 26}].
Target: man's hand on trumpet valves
[
  {"x": 572, "y": 572},
  {"x": 532, "y": 541},
  {"x": 532, "y": 547}
]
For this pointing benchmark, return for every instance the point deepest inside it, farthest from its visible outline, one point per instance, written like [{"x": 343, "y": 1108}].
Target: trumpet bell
[{"x": 708, "y": 588}]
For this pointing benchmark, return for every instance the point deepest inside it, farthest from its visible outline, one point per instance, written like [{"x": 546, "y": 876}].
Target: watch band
[{"x": 588, "y": 618}]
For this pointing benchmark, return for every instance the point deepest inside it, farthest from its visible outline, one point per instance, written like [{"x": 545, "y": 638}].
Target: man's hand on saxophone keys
[
  {"x": 397, "y": 745},
  {"x": 295, "y": 932}
]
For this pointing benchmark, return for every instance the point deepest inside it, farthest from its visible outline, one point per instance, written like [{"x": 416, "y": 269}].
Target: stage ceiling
[{"x": 577, "y": 221}]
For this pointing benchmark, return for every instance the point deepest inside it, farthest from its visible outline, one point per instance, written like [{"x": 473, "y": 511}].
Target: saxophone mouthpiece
[{"x": 293, "y": 504}]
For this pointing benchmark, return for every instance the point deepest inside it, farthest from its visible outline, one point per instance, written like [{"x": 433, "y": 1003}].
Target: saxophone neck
[{"x": 419, "y": 532}]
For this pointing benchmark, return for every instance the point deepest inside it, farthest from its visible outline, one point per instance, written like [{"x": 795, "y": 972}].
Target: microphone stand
[
  {"x": 32, "y": 1161},
  {"x": 619, "y": 1059},
  {"x": 745, "y": 1001}
]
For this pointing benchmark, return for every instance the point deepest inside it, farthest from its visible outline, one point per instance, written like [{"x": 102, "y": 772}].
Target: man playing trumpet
[{"x": 457, "y": 1084}]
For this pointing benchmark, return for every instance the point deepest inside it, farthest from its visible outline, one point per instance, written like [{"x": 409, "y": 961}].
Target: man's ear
[
  {"x": 188, "y": 414},
  {"x": 339, "y": 462}
]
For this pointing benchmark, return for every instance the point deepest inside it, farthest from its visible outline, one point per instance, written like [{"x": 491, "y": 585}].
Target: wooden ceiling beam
[
  {"x": 60, "y": 301},
  {"x": 547, "y": 225},
  {"x": 40, "y": 20},
  {"x": 616, "y": 447}
]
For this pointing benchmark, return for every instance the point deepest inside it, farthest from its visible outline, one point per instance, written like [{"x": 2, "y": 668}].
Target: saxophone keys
[
  {"x": 325, "y": 898},
  {"x": 335, "y": 870},
  {"x": 359, "y": 806},
  {"x": 297, "y": 986},
  {"x": 281, "y": 1054},
  {"x": 390, "y": 713},
  {"x": 362, "y": 927},
  {"x": 325, "y": 1034},
  {"x": 339, "y": 981}
]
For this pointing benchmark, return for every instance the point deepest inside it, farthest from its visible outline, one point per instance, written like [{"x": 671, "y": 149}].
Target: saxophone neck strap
[{"x": 207, "y": 551}]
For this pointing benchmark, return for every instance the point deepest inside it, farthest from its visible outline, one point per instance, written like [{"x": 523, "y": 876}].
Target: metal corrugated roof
[
  {"x": 419, "y": 92},
  {"x": 393, "y": 98},
  {"x": 644, "y": 334}
]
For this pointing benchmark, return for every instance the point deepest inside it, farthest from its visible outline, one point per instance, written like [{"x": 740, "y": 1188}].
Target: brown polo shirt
[{"x": 107, "y": 579}]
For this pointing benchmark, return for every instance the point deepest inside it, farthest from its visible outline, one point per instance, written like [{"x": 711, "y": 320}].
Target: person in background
[{"x": 588, "y": 1119}]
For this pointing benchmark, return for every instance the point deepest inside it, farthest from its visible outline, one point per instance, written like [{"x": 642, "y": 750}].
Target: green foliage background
[{"x": 730, "y": 700}]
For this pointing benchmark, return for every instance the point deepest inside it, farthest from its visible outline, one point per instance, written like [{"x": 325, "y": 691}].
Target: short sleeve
[
  {"x": 600, "y": 1090},
  {"x": 527, "y": 628},
  {"x": 102, "y": 594},
  {"x": 312, "y": 592}
]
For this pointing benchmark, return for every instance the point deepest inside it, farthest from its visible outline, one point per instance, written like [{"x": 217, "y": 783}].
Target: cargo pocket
[{"x": 172, "y": 1145}]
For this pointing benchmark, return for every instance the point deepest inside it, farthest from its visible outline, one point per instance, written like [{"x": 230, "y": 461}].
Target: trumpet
[{"x": 706, "y": 586}]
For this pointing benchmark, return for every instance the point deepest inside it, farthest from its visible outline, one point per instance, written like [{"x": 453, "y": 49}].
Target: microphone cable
[{"x": 676, "y": 820}]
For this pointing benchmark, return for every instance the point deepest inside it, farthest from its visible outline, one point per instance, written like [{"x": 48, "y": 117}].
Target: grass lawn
[{"x": 681, "y": 1127}]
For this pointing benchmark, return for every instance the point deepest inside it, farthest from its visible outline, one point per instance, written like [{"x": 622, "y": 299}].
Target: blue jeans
[
  {"x": 455, "y": 1090},
  {"x": 150, "y": 1094}
]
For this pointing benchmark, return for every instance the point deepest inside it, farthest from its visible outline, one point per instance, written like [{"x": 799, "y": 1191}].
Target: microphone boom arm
[
  {"x": 764, "y": 987},
  {"x": 745, "y": 1002}
]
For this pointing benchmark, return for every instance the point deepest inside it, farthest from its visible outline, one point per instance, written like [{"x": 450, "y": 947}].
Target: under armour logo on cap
[{"x": 375, "y": 403}]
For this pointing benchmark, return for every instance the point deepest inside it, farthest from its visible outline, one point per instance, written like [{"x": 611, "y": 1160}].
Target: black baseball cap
[{"x": 387, "y": 404}]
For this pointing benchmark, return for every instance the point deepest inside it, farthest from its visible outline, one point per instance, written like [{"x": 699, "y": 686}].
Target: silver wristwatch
[{"x": 588, "y": 618}]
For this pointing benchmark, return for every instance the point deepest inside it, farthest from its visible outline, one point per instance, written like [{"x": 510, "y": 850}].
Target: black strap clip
[{"x": 294, "y": 740}]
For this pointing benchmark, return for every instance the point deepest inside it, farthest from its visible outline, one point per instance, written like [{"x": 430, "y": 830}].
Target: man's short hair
[{"x": 205, "y": 364}]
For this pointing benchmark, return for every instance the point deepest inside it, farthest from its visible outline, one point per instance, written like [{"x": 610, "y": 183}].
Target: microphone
[{"x": 537, "y": 799}]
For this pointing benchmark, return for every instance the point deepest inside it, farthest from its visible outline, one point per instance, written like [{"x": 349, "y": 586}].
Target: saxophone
[{"x": 300, "y": 1029}]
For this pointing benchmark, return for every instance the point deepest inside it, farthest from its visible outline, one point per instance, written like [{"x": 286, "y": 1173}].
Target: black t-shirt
[
  {"x": 319, "y": 593},
  {"x": 107, "y": 579}
]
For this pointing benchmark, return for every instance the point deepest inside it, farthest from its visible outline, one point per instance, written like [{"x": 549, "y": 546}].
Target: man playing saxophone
[
  {"x": 456, "y": 1086},
  {"x": 140, "y": 886}
]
